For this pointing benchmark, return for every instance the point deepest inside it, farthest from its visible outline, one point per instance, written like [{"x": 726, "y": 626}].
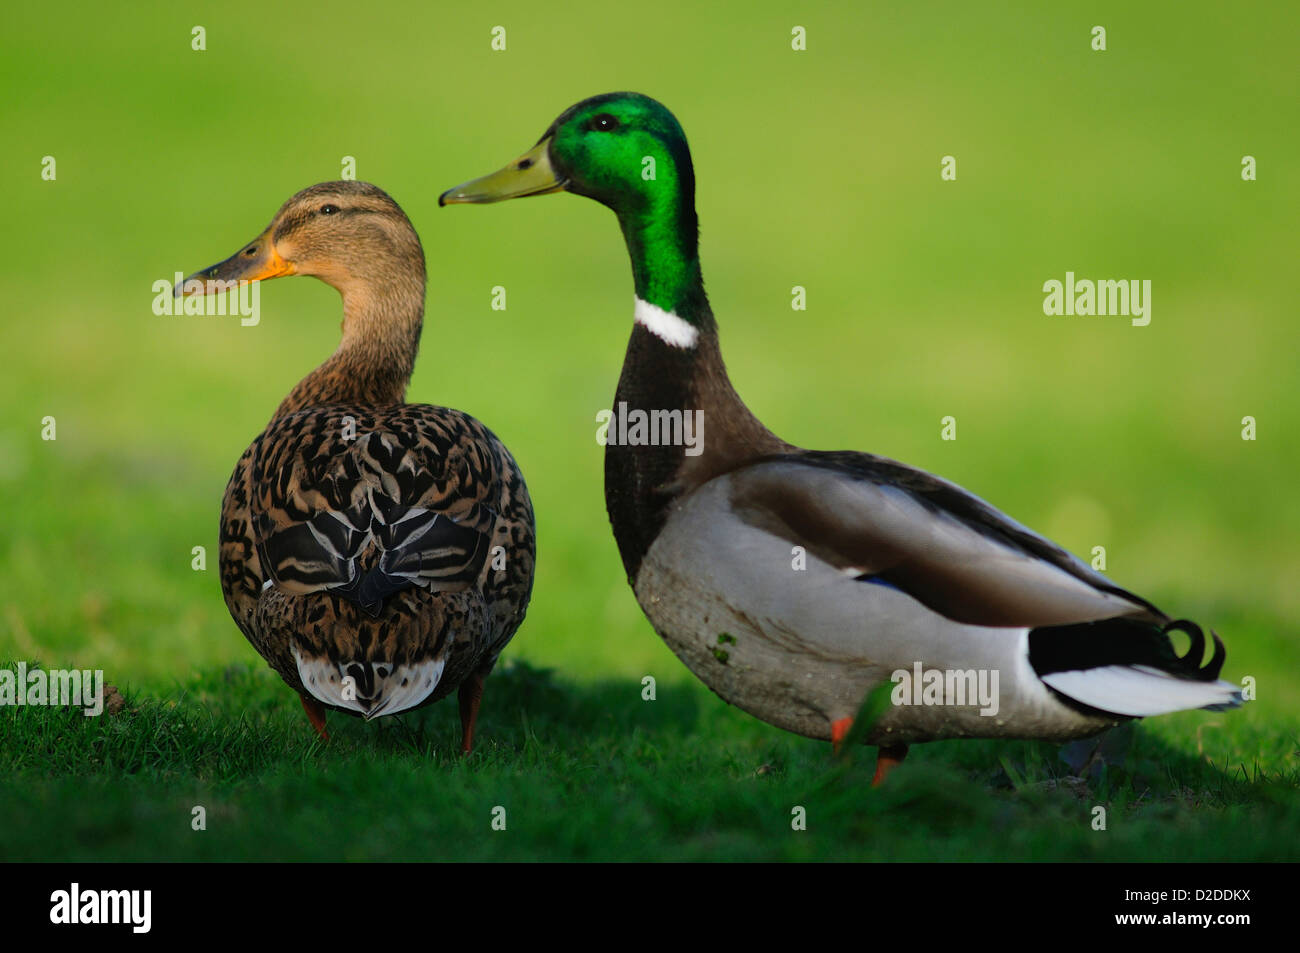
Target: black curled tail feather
[
  {"x": 1190, "y": 663},
  {"x": 1123, "y": 641}
]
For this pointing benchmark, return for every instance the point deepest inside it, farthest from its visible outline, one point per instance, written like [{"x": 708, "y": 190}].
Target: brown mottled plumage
[{"x": 377, "y": 554}]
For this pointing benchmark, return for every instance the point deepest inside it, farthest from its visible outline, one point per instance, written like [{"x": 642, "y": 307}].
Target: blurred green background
[{"x": 817, "y": 168}]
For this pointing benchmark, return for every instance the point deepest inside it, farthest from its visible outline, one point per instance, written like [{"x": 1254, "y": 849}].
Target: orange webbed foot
[
  {"x": 469, "y": 696},
  {"x": 888, "y": 758},
  {"x": 316, "y": 715},
  {"x": 839, "y": 731}
]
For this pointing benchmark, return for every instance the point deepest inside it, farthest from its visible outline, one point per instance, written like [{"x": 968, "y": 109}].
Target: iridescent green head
[
  {"x": 621, "y": 149},
  {"x": 628, "y": 152}
]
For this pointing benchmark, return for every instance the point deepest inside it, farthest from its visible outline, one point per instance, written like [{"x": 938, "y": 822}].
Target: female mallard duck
[
  {"x": 793, "y": 582},
  {"x": 378, "y": 554}
]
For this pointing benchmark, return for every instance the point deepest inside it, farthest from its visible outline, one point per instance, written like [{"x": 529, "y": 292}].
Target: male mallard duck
[
  {"x": 793, "y": 582},
  {"x": 378, "y": 554}
]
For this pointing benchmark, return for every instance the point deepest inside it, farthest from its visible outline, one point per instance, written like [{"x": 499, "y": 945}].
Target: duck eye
[
  {"x": 604, "y": 122},
  {"x": 328, "y": 209}
]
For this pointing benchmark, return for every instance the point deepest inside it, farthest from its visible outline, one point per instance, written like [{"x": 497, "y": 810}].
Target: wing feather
[
  {"x": 365, "y": 516},
  {"x": 929, "y": 538}
]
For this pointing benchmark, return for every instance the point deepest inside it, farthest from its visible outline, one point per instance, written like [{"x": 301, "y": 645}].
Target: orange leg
[
  {"x": 888, "y": 758},
  {"x": 839, "y": 731},
  {"x": 469, "y": 695},
  {"x": 316, "y": 715}
]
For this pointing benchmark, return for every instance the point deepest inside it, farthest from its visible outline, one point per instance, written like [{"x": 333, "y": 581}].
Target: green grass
[
  {"x": 818, "y": 169},
  {"x": 593, "y": 772}
]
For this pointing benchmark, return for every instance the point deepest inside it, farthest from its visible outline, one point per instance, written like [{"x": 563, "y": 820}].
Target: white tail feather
[
  {"x": 395, "y": 689},
  {"x": 1138, "y": 690}
]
